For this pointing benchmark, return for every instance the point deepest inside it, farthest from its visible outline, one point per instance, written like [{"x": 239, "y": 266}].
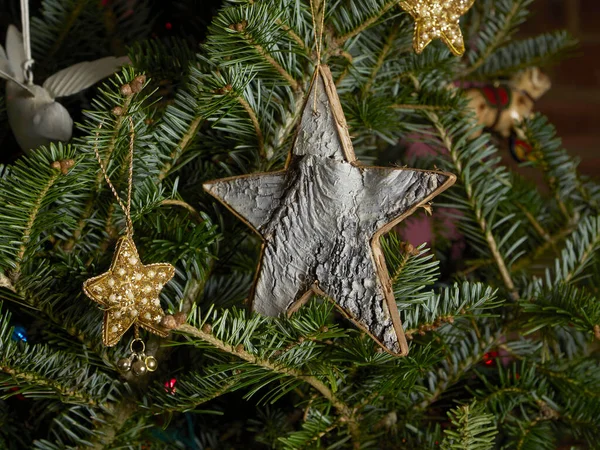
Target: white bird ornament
[{"x": 36, "y": 118}]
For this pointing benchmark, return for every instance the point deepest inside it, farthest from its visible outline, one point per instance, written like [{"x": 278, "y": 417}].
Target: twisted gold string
[{"x": 126, "y": 208}]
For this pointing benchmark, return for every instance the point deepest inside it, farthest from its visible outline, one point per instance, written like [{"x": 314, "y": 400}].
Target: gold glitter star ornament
[
  {"x": 129, "y": 292},
  {"x": 437, "y": 19}
]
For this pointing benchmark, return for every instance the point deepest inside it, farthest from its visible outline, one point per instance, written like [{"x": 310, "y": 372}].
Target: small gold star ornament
[
  {"x": 437, "y": 19},
  {"x": 130, "y": 293}
]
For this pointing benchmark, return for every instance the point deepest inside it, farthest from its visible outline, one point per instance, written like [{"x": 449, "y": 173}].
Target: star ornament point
[
  {"x": 129, "y": 293},
  {"x": 437, "y": 19},
  {"x": 321, "y": 219}
]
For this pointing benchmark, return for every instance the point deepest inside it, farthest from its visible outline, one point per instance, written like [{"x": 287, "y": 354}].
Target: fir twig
[
  {"x": 385, "y": 50},
  {"x": 32, "y": 217},
  {"x": 485, "y": 227},
  {"x": 346, "y": 413},
  {"x": 340, "y": 40},
  {"x": 181, "y": 147}
]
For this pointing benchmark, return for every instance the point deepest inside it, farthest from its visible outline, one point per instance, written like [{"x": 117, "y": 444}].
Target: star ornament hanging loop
[
  {"x": 437, "y": 19},
  {"x": 321, "y": 219}
]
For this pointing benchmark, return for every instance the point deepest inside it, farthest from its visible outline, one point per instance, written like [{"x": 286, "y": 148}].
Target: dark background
[{"x": 573, "y": 103}]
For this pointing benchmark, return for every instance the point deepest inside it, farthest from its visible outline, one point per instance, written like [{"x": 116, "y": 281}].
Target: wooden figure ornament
[
  {"x": 500, "y": 108},
  {"x": 36, "y": 118},
  {"x": 322, "y": 217}
]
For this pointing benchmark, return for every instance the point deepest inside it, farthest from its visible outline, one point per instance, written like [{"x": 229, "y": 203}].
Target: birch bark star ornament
[
  {"x": 322, "y": 217},
  {"x": 437, "y": 19}
]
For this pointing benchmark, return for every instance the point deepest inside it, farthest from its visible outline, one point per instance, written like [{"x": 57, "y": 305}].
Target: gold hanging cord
[{"x": 126, "y": 208}]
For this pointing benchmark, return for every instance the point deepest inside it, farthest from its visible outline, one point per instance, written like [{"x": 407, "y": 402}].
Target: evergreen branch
[
  {"x": 211, "y": 387},
  {"x": 472, "y": 192},
  {"x": 166, "y": 61},
  {"x": 315, "y": 426},
  {"x": 194, "y": 213},
  {"x": 292, "y": 34},
  {"x": 38, "y": 386},
  {"x": 69, "y": 427},
  {"x": 181, "y": 147},
  {"x": 586, "y": 254},
  {"x": 66, "y": 27},
  {"x": 344, "y": 410},
  {"x": 552, "y": 242},
  {"x": 31, "y": 208},
  {"x": 562, "y": 305},
  {"x": 90, "y": 204},
  {"x": 387, "y": 47},
  {"x": 109, "y": 425},
  {"x": 579, "y": 253},
  {"x": 35, "y": 209},
  {"x": 560, "y": 169},
  {"x": 472, "y": 429},
  {"x": 535, "y": 223},
  {"x": 40, "y": 372},
  {"x": 256, "y": 123},
  {"x": 182, "y": 120},
  {"x": 511, "y": 388},
  {"x": 411, "y": 269},
  {"x": 583, "y": 383},
  {"x": 519, "y": 55},
  {"x": 249, "y": 36},
  {"x": 289, "y": 30},
  {"x": 278, "y": 67},
  {"x": 528, "y": 431},
  {"x": 581, "y": 415},
  {"x": 387, "y": 5},
  {"x": 104, "y": 130},
  {"x": 420, "y": 107},
  {"x": 496, "y": 31},
  {"x": 45, "y": 310},
  {"x": 466, "y": 301},
  {"x": 455, "y": 366}
]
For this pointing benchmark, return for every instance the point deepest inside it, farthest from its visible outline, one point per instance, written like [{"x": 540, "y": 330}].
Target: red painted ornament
[
  {"x": 521, "y": 150},
  {"x": 488, "y": 358},
  {"x": 18, "y": 396},
  {"x": 170, "y": 386},
  {"x": 496, "y": 96}
]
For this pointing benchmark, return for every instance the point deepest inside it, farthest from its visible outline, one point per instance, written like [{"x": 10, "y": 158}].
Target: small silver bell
[
  {"x": 139, "y": 368},
  {"x": 124, "y": 364},
  {"x": 151, "y": 363}
]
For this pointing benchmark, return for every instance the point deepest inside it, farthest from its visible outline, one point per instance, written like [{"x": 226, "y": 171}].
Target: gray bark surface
[{"x": 320, "y": 220}]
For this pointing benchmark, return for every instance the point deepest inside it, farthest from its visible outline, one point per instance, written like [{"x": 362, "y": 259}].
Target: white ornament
[{"x": 35, "y": 117}]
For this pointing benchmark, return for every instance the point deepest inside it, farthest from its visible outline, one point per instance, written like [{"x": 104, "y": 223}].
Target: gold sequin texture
[
  {"x": 437, "y": 19},
  {"x": 129, "y": 293}
]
